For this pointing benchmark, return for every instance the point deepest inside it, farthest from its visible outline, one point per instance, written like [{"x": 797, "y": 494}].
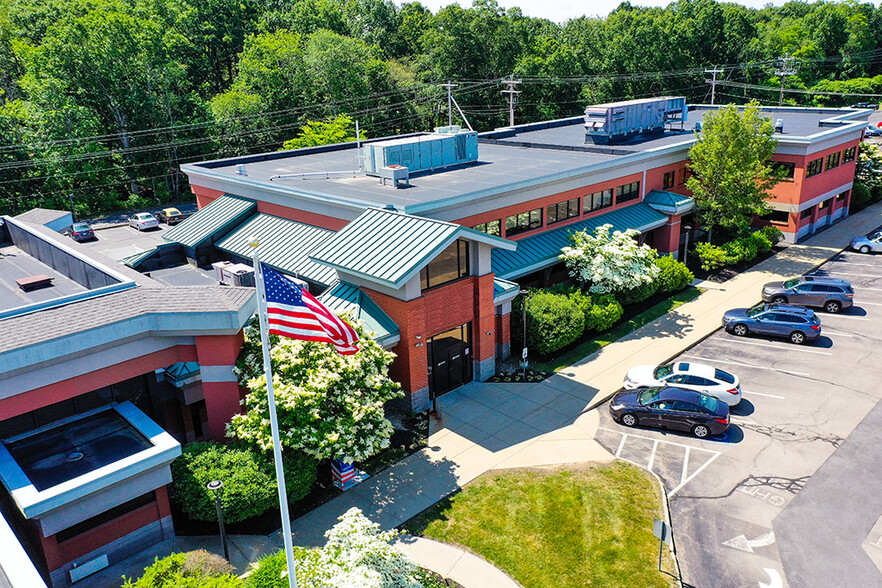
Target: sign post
[{"x": 663, "y": 531}]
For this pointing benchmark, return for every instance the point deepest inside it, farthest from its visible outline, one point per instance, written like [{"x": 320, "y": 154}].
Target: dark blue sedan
[
  {"x": 81, "y": 232},
  {"x": 671, "y": 408}
]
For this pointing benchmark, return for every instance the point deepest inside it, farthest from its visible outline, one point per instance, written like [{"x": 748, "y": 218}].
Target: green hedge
[
  {"x": 673, "y": 275},
  {"x": 195, "y": 569},
  {"x": 248, "y": 476},
  {"x": 638, "y": 294},
  {"x": 553, "y": 321},
  {"x": 745, "y": 249},
  {"x": 861, "y": 196},
  {"x": 605, "y": 311}
]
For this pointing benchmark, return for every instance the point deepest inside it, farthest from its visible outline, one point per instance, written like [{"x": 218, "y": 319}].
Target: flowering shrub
[
  {"x": 611, "y": 262},
  {"x": 329, "y": 405}
]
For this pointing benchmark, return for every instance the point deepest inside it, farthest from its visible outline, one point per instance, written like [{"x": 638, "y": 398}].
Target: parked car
[
  {"x": 780, "y": 320},
  {"x": 143, "y": 220},
  {"x": 872, "y": 132},
  {"x": 865, "y": 105},
  {"x": 689, "y": 376},
  {"x": 831, "y": 294},
  {"x": 671, "y": 408},
  {"x": 170, "y": 216},
  {"x": 81, "y": 232},
  {"x": 872, "y": 242}
]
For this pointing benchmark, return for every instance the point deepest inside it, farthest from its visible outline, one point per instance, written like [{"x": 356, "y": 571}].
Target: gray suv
[
  {"x": 781, "y": 320},
  {"x": 831, "y": 294}
]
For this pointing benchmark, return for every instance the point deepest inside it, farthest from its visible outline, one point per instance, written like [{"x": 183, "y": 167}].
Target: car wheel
[
  {"x": 740, "y": 330},
  {"x": 864, "y": 249},
  {"x": 629, "y": 420},
  {"x": 797, "y": 337},
  {"x": 779, "y": 300},
  {"x": 832, "y": 306},
  {"x": 701, "y": 431}
]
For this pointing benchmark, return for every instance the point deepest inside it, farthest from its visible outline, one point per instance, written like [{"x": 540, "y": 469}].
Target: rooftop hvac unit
[
  {"x": 238, "y": 274},
  {"x": 618, "y": 121},
  {"x": 219, "y": 269},
  {"x": 445, "y": 147},
  {"x": 779, "y": 125}
]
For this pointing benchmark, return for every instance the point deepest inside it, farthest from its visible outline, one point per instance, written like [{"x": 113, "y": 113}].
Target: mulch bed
[{"x": 727, "y": 273}]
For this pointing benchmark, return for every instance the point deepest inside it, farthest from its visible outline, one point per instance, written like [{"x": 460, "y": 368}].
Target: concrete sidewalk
[{"x": 492, "y": 426}]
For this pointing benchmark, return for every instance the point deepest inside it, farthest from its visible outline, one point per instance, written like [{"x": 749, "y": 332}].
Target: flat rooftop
[
  {"x": 508, "y": 159},
  {"x": 16, "y": 264}
]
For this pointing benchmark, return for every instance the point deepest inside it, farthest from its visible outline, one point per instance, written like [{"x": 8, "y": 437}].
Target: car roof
[
  {"x": 171, "y": 209},
  {"x": 674, "y": 393},
  {"x": 143, "y": 214},
  {"x": 791, "y": 309},
  {"x": 825, "y": 280},
  {"x": 81, "y": 224},
  {"x": 695, "y": 369}
]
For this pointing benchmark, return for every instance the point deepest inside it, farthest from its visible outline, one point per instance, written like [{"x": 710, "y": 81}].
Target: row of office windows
[
  {"x": 783, "y": 216},
  {"x": 832, "y": 161},
  {"x": 561, "y": 211}
]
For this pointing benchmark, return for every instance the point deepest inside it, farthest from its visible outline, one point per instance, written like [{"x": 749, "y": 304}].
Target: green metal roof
[
  {"x": 284, "y": 245},
  {"x": 133, "y": 261},
  {"x": 504, "y": 289},
  {"x": 219, "y": 216},
  {"x": 542, "y": 250},
  {"x": 390, "y": 247},
  {"x": 669, "y": 202},
  {"x": 345, "y": 297}
]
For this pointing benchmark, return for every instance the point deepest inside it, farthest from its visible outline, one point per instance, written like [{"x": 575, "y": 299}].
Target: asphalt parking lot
[
  {"x": 120, "y": 242},
  {"x": 790, "y": 495}
]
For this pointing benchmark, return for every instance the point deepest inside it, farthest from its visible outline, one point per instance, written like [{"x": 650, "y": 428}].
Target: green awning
[
  {"x": 345, "y": 297},
  {"x": 542, "y": 250},
  {"x": 504, "y": 290},
  {"x": 669, "y": 202},
  {"x": 133, "y": 261},
  {"x": 212, "y": 222}
]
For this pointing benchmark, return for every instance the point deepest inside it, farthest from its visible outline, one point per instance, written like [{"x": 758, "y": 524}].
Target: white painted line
[
  {"x": 685, "y": 466},
  {"x": 761, "y": 394},
  {"x": 837, "y": 334},
  {"x": 756, "y": 367},
  {"x": 740, "y": 421},
  {"x": 869, "y": 303},
  {"x": 652, "y": 455},
  {"x": 675, "y": 444},
  {"x": 782, "y": 348},
  {"x": 846, "y": 316},
  {"x": 855, "y": 263},
  {"x": 715, "y": 455},
  {"x": 621, "y": 445},
  {"x": 836, "y": 274}
]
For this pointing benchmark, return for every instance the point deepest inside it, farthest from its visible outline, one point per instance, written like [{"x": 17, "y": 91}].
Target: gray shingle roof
[{"x": 41, "y": 216}]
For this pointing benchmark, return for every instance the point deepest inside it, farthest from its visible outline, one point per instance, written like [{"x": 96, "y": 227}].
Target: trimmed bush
[
  {"x": 195, "y": 569},
  {"x": 673, "y": 275},
  {"x": 553, "y": 321},
  {"x": 743, "y": 249},
  {"x": 761, "y": 242},
  {"x": 248, "y": 476},
  {"x": 604, "y": 313},
  {"x": 712, "y": 257},
  {"x": 638, "y": 294},
  {"x": 772, "y": 233},
  {"x": 860, "y": 196}
]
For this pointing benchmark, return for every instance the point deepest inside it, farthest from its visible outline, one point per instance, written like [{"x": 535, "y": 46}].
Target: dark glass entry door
[{"x": 450, "y": 359}]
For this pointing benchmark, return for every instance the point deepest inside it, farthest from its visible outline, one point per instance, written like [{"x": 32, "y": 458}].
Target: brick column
[
  {"x": 484, "y": 329},
  {"x": 667, "y": 237},
  {"x": 503, "y": 333},
  {"x": 217, "y": 355}
]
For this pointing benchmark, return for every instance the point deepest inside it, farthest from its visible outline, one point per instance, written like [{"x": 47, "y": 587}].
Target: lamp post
[
  {"x": 523, "y": 293},
  {"x": 73, "y": 208},
  {"x": 215, "y": 486}
]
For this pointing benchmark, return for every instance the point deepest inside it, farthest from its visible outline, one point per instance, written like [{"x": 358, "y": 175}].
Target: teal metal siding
[
  {"x": 542, "y": 250},
  {"x": 133, "y": 261},
  {"x": 284, "y": 245},
  {"x": 662, "y": 198},
  {"x": 343, "y": 297},
  {"x": 219, "y": 216},
  {"x": 502, "y": 287}
]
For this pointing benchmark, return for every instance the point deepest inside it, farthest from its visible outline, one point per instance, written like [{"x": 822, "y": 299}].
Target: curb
[
  {"x": 668, "y": 519},
  {"x": 94, "y": 228}
]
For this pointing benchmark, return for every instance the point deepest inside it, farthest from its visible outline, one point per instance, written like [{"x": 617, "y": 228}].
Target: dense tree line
[{"x": 102, "y": 100}]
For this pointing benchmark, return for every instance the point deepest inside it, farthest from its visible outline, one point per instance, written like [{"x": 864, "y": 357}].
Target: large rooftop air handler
[
  {"x": 445, "y": 147},
  {"x": 618, "y": 121}
]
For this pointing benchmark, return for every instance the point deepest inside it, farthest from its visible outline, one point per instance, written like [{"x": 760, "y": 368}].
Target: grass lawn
[
  {"x": 589, "y": 346},
  {"x": 558, "y": 527}
]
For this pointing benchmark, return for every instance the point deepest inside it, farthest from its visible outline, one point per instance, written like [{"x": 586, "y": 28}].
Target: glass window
[
  {"x": 490, "y": 227},
  {"x": 814, "y": 167},
  {"x": 724, "y": 376},
  {"x": 668, "y": 180},
  {"x": 598, "y": 200},
  {"x": 784, "y": 169},
  {"x": 451, "y": 264},
  {"x": 663, "y": 370},
  {"x": 647, "y": 395},
  {"x": 627, "y": 192},
  {"x": 684, "y": 175},
  {"x": 524, "y": 221},
  {"x": 791, "y": 282},
  {"x": 842, "y": 196},
  {"x": 832, "y": 161},
  {"x": 823, "y": 205},
  {"x": 806, "y": 213},
  {"x": 563, "y": 211},
  {"x": 778, "y": 216},
  {"x": 849, "y": 154},
  {"x": 709, "y": 403}
]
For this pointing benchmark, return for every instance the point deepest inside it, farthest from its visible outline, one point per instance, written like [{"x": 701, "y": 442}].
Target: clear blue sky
[{"x": 562, "y": 10}]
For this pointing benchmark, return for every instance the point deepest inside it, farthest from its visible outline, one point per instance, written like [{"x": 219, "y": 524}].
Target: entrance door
[{"x": 450, "y": 359}]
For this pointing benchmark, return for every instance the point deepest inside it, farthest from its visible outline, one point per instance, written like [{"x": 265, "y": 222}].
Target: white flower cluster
[{"x": 610, "y": 262}]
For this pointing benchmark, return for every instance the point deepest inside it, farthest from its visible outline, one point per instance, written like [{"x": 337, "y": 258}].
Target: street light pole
[
  {"x": 524, "y": 336},
  {"x": 215, "y": 486}
]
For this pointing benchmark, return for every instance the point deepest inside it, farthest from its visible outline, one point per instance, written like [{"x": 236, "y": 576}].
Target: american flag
[{"x": 295, "y": 313}]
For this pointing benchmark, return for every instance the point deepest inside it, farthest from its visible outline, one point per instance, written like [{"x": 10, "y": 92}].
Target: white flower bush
[
  {"x": 329, "y": 405},
  {"x": 611, "y": 262}
]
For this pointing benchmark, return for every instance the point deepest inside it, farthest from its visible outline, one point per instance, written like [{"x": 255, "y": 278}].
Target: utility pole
[
  {"x": 449, "y": 87},
  {"x": 512, "y": 97},
  {"x": 713, "y": 82},
  {"x": 787, "y": 66}
]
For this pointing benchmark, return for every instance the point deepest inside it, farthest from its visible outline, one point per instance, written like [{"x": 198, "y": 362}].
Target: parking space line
[
  {"x": 685, "y": 465},
  {"x": 782, "y": 348},
  {"x": 847, "y": 316},
  {"x": 621, "y": 444},
  {"x": 838, "y": 334},
  {"x": 826, "y": 274},
  {"x": 740, "y": 421},
  {"x": 869, "y": 303},
  {"x": 695, "y": 473},
  {"x": 761, "y": 394},
  {"x": 758, "y": 367},
  {"x": 652, "y": 455}
]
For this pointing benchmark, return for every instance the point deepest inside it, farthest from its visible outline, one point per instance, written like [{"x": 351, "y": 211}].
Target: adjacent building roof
[
  {"x": 43, "y": 216},
  {"x": 343, "y": 297},
  {"x": 214, "y": 220},
  {"x": 542, "y": 250},
  {"x": 504, "y": 290},
  {"x": 389, "y": 247},
  {"x": 284, "y": 245},
  {"x": 669, "y": 202}
]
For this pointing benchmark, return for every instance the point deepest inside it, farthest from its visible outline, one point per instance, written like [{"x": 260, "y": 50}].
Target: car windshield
[
  {"x": 81, "y": 227},
  {"x": 647, "y": 396},
  {"x": 755, "y": 310},
  {"x": 791, "y": 282},
  {"x": 709, "y": 403},
  {"x": 724, "y": 376},
  {"x": 663, "y": 370}
]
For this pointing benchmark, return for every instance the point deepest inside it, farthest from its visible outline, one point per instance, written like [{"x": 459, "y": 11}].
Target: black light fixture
[{"x": 215, "y": 486}]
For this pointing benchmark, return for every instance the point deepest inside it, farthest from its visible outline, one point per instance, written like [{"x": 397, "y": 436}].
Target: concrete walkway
[{"x": 493, "y": 426}]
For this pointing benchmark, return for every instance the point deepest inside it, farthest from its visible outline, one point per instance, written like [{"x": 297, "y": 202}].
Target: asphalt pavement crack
[
  {"x": 791, "y": 432},
  {"x": 791, "y": 485}
]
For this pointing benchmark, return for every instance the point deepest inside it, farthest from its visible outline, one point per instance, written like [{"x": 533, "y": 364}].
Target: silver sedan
[{"x": 872, "y": 242}]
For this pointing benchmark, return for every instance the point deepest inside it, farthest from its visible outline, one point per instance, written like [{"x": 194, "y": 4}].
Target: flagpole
[{"x": 274, "y": 421}]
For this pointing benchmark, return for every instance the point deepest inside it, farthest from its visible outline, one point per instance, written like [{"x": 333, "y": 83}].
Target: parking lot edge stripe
[
  {"x": 621, "y": 444},
  {"x": 695, "y": 473},
  {"x": 747, "y": 365},
  {"x": 782, "y": 348},
  {"x": 761, "y": 394},
  {"x": 685, "y": 466},
  {"x": 652, "y": 455}
]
